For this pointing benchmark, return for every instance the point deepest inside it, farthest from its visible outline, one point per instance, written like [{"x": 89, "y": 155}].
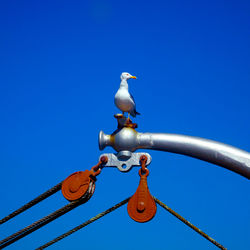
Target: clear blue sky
[{"x": 60, "y": 63}]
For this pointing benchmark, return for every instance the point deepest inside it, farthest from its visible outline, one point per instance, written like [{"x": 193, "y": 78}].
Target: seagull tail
[{"x": 134, "y": 113}]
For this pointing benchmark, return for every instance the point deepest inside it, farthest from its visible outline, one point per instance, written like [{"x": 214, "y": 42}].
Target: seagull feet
[{"x": 123, "y": 121}]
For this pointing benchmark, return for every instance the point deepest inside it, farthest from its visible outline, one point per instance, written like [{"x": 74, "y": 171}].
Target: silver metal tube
[
  {"x": 226, "y": 156},
  {"x": 214, "y": 152}
]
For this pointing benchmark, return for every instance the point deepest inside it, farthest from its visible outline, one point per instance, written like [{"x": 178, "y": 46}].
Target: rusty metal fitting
[
  {"x": 143, "y": 173},
  {"x": 143, "y": 158},
  {"x": 124, "y": 122},
  {"x": 94, "y": 171},
  {"x": 141, "y": 206},
  {"x": 77, "y": 185},
  {"x": 97, "y": 167},
  {"x": 104, "y": 159},
  {"x": 143, "y": 161}
]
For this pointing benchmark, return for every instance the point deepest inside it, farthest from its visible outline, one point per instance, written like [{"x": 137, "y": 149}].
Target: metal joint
[
  {"x": 128, "y": 139},
  {"x": 125, "y": 160}
]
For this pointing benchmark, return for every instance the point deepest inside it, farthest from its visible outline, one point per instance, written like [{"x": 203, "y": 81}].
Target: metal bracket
[{"x": 125, "y": 160}]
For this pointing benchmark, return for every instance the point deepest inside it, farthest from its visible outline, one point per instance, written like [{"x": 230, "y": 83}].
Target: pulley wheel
[{"x": 76, "y": 185}]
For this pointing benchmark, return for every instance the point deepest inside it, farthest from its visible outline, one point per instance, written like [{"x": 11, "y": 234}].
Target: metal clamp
[{"x": 125, "y": 160}]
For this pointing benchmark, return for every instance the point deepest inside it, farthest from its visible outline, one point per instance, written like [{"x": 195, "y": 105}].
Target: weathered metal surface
[
  {"x": 141, "y": 206},
  {"x": 125, "y": 160},
  {"x": 79, "y": 183},
  {"x": 76, "y": 185},
  {"x": 123, "y": 121},
  {"x": 128, "y": 139}
]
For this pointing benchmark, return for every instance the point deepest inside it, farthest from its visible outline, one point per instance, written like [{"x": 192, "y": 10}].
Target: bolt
[
  {"x": 104, "y": 159},
  {"x": 144, "y": 158}
]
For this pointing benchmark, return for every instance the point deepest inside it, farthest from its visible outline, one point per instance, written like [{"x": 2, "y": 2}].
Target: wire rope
[
  {"x": 33, "y": 202},
  {"x": 75, "y": 229},
  {"x": 45, "y": 220},
  {"x": 196, "y": 229}
]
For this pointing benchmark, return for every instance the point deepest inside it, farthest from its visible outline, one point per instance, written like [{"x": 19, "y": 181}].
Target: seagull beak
[{"x": 134, "y": 77}]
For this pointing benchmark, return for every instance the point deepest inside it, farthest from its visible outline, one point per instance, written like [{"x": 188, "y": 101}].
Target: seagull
[{"x": 123, "y": 99}]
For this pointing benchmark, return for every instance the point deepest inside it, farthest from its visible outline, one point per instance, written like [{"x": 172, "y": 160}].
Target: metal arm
[{"x": 127, "y": 139}]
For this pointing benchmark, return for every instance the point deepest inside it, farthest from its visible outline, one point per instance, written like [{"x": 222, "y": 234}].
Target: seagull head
[{"x": 126, "y": 76}]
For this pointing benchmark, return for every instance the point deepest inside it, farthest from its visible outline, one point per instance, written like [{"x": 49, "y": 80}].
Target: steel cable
[
  {"x": 84, "y": 224},
  {"x": 45, "y": 220},
  {"x": 189, "y": 224},
  {"x": 33, "y": 202}
]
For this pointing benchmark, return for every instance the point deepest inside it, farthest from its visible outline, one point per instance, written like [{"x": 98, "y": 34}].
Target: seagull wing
[
  {"x": 132, "y": 98},
  {"x": 134, "y": 112}
]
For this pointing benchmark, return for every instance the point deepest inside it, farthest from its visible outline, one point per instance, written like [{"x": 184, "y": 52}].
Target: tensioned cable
[
  {"x": 119, "y": 205},
  {"x": 189, "y": 224},
  {"x": 36, "y": 225},
  {"x": 33, "y": 202},
  {"x": 84, "y": 224},
  {"x": 45, "y": 220}
]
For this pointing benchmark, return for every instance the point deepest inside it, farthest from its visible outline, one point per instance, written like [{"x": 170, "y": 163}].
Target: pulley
[
  {"x": 141, "y": 206},
  {"x": 78, "y": 184},
  {"x": 82, "y": 183}
]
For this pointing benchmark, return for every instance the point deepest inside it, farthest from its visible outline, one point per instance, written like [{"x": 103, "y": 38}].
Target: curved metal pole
[
  {"x": 127, "y": 139},
  {"x": 214, "y": 152}
]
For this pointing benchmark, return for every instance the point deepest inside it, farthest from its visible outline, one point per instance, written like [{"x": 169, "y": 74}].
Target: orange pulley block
[
  {"x": 81, "y": 183},
  {"x": 77, "y": 184},
  {"x": 141, "y": 206}
]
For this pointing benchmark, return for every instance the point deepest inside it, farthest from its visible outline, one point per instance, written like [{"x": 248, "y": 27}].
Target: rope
[
  {"x": 84, "y": 224},
  {"x": 32, "y": 202},
  {"x": 48, "y": 193},
  {"x": 189, "y": 224},
  {"x": 45, "y": 220}
]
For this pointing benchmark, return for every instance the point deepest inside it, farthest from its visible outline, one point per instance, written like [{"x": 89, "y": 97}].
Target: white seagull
[{"x": 123, "y": 99}]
